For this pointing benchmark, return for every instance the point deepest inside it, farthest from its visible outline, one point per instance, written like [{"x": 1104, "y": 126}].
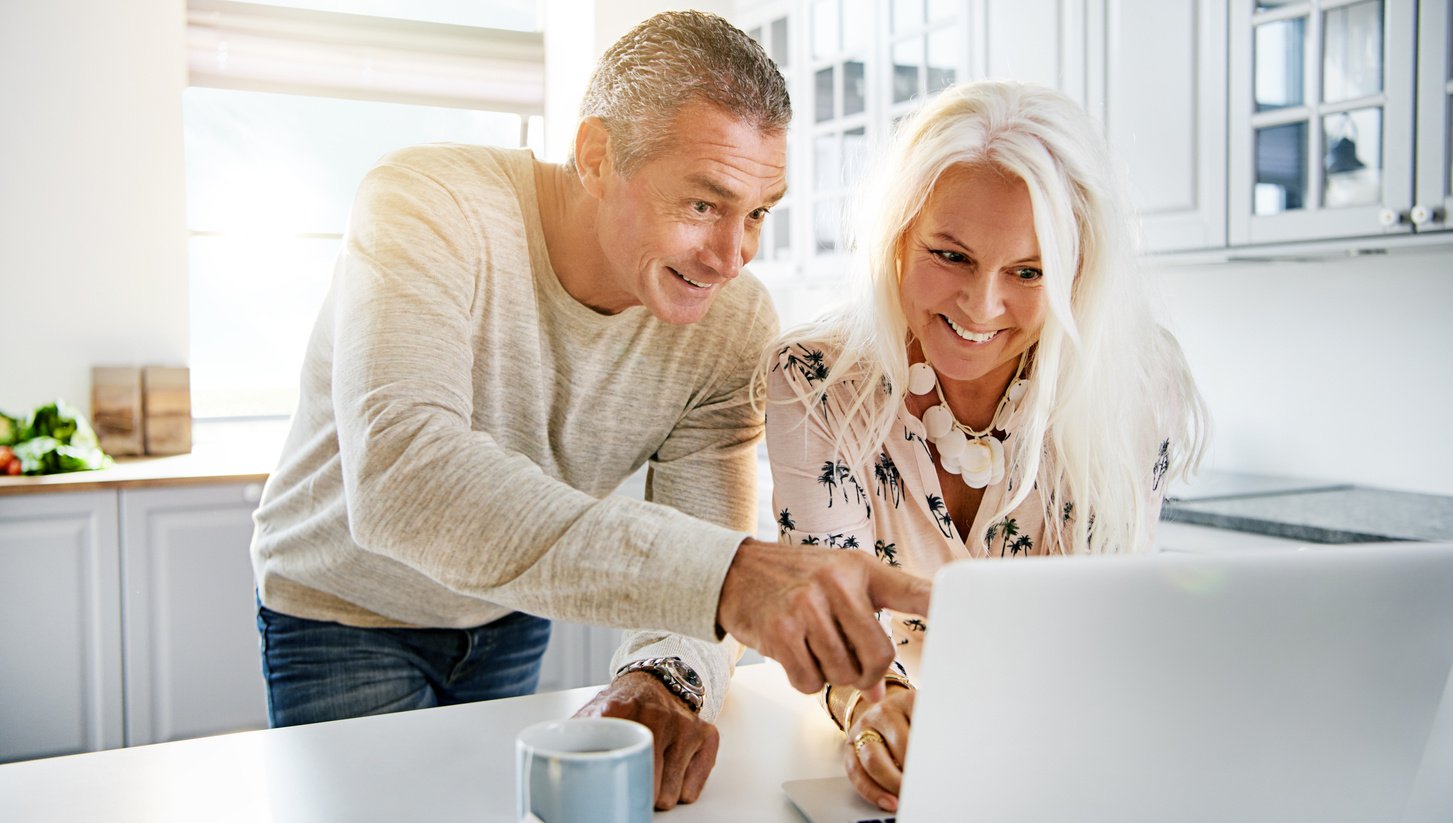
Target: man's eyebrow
[{"x": 721, "y": 192}]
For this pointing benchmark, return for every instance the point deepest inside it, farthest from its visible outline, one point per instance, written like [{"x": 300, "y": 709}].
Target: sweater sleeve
[
  {"x": 708, "y": 468},
  {"x": 425, "y": 489}
]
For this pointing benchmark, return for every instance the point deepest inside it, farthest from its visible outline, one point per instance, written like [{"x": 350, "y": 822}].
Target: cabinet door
[
  {"x": 579, "y": 655},
  {"x": 192, "y": 662},
  {"x": 1321, "y": 119},
  {"x": 1435, "y": 128},
  {"x": 1035, "y": 41},
  {"x": 1165, "y": 116},
  {"x": 60, "y": 625}
]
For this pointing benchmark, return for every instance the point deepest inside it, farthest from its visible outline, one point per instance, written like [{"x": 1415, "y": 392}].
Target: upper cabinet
[
  {"x": 1324, "y": 139},
  {"x": 1434, "y": 191},
  {"x": 1240, "y": 123},
  {"x": 1165, "y": 114}
]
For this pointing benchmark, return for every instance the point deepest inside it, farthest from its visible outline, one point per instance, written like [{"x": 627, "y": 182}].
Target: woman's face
[{"x": 971, "y": 283}]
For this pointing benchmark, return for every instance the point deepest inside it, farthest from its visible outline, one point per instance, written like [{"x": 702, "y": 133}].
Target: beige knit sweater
[{"x": 463, "y": 421}]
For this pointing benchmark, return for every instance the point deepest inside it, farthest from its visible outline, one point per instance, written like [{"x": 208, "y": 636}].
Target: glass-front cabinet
[
  {"x": 854, "y": 67},
  {"x": 1322, "y": 119},
  {"x": 1434, "y": 196}
]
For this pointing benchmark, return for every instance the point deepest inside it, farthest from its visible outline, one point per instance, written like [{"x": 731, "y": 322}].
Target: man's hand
[
  {"x": 685, "y": 744},
  {"x": 812, "y": 611}
]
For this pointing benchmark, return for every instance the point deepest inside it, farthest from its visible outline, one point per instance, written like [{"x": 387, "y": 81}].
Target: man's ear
[{"x": 592, "y": 155}]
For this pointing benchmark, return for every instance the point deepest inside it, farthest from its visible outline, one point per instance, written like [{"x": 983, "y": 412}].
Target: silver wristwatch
[{"x": 676, "y": 676}]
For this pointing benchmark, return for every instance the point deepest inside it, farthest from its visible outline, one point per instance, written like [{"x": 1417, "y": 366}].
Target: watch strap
[{"x": 675, "y": 675}]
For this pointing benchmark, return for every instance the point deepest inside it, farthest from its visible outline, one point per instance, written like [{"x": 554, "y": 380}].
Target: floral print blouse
[{"x": 891, "y": 506}]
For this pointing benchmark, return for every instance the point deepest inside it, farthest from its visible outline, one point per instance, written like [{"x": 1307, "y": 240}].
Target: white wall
[
  {"x": 1336, "y": 370},
  {"x": 92, "y": 193}
]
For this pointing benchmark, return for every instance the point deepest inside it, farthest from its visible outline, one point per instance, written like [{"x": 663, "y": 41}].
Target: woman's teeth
[{"x": 971, "y": 336}]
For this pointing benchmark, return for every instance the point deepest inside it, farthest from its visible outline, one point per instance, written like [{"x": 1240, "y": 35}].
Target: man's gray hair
[{"x": 670, "y": 60}]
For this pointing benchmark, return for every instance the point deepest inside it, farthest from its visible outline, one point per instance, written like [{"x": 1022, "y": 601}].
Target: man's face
[{"x": 687, "y": 219}]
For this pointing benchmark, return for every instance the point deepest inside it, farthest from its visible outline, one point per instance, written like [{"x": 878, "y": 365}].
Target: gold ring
[{"x": 864, "y": 738}]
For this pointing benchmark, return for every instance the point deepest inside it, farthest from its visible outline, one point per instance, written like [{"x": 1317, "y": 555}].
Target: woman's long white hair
[{"x": 1108, "y": 383}]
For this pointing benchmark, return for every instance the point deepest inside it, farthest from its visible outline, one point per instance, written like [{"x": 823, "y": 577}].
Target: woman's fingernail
[{"x": 888, "y": 804}]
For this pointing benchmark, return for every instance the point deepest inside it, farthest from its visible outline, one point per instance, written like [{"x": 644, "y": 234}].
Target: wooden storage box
[{"x": 167, "y": 403}]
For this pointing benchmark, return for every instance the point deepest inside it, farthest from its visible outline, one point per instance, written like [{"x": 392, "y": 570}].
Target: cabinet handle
[
  {"x": 1389, "y": 218},
  {"x": 1423, "y": 215}
]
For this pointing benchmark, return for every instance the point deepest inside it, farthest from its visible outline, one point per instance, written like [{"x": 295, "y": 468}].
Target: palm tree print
[
  {"x": 910, "y": 437},
  {"x": 828, "y": 478},
  {"x": 1162, "y": 464},
  {"x": 935, "y": 507},
  {"x": 850, "y": 542},
  {"x": 887, "y": 552},
  {"x": 890, "y": 481},
  {"x": 810, "y": 365},
  {"x": 1008, "y": 527},
  {"x": 1069, "y": 510},
  {"x": 785, "y": 523},
  {"x": 915, "y": 625},
  {"x": 1024, "y": 543},
  {"x": 810, "y": 540},
  {"x": 844, "y": 479}
]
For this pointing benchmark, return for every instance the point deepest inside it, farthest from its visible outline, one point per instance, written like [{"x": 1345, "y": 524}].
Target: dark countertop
[{"x": 1313, "y": 511}]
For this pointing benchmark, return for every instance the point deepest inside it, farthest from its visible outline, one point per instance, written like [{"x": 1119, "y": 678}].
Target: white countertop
[{"x": 446, "y": 764}]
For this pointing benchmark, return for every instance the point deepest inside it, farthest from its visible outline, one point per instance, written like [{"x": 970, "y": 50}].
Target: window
[{"x": 279, "y": 132}]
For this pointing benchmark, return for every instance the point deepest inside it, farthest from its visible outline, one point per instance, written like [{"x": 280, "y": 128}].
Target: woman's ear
[{"x": 592, "y": 156}]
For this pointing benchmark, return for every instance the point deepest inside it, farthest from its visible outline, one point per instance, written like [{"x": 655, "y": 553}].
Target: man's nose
[{"x": 724, "y": 251}]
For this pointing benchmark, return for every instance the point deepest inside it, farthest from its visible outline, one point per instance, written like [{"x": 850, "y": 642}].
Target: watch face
[{"x": 684, "y": 675}]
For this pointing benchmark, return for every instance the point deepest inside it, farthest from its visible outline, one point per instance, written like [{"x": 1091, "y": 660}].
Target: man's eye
[
  {"x": 760, "y": 214},
  {"x": 701, "y": 207}
]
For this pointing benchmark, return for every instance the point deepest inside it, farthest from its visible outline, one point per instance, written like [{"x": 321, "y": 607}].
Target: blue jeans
[{"x": 317, "y": 671}]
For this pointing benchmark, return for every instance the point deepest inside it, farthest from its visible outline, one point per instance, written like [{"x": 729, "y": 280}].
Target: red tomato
[{"x": 13, "y": 467}]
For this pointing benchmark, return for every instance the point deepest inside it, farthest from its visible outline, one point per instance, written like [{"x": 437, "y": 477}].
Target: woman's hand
[{"x": 877, "y": 745}]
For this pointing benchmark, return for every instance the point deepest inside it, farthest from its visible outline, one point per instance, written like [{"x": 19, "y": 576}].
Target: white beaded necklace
[{"x": 976, "y": 456}]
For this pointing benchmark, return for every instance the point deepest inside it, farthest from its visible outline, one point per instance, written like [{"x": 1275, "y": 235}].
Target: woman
[{"x": 998, "y": 388}]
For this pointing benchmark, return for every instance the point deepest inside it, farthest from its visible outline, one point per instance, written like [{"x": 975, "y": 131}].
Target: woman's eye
[
  {"x": 1028, "y": 274},
  {"x": 949, "y": 256}
]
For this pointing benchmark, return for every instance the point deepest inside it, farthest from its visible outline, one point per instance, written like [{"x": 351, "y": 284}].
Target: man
[{"x": 505, "y": 342}]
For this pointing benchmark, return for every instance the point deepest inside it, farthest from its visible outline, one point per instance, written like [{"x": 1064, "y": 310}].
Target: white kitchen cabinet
[
  {"x": 1434, "y": 192},
  {"x": 60, "y": 625},
  {"x": 126, "y": 617},
  {"x": 1322, "y": 139},
  {"x": 1164, "y": 109},
  {"x": 579, "y": 655},
  {"x": 192, "y": 665}
]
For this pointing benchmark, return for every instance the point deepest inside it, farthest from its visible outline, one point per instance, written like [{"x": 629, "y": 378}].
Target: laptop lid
[{"x": 1297, "y": 686}]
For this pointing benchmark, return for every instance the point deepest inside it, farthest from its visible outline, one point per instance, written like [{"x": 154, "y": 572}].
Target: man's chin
[{"x": 677, "y": 315}]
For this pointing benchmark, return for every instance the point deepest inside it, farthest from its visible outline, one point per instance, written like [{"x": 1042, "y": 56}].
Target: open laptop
[{"x": 1289, "y": 686}]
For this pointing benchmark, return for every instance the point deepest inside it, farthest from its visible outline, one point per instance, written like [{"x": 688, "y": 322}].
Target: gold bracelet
[
  {"x": 850, "y": 705},
  {"x": 849, "y": 709}
]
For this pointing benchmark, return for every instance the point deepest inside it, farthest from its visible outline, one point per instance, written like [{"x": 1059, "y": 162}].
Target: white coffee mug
[{"x": 584, "y": 770}]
